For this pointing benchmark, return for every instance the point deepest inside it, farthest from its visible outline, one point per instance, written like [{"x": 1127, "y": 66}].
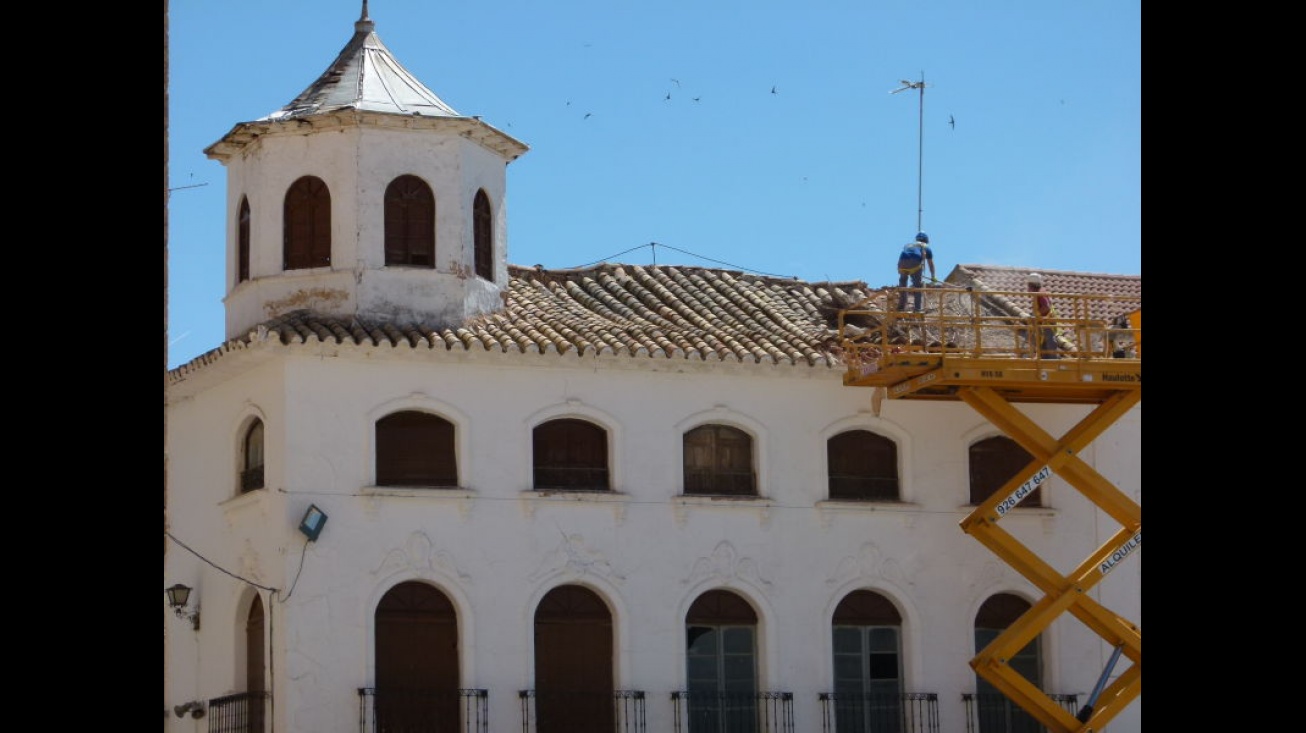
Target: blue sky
[{"x": 823, "y": 179}]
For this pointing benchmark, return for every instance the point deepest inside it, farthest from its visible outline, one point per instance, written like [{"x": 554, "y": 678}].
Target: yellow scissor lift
[{"x": 975, "y": 346}]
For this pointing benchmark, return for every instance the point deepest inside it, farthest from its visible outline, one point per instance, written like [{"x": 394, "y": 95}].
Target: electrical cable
[
  {"x": 655, "y": 245},
  {"x": 215, "y": 565},
  {"x": 302, "y": 551},
  {"x": 605, "y": 259}
]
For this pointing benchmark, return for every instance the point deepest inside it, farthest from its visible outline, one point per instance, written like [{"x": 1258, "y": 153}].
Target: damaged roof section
[{"x": 1127, "y": 289}]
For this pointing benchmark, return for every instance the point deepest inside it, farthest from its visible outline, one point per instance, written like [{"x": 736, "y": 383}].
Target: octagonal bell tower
[{"x": 366, "y": 195}]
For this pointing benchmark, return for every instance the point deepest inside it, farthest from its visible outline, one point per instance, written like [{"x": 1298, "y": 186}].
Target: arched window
[
  {"x": 251, "y": 463},
  {"x": 242, "y": 241},
  {"x": 409, "y": 223},
  {"x": 996, "y": 713},
  {"x": 417, "y": 661},
  {"x": 719, "y": 460},
  {"x": 483, "y": 235},
  {"x": 863, "y": 466},
  {"x": 306, "y": 219},
  {"x": 721, "y": 663},
  {"x": 570, "y": 454},
  {"x": 415, "y": 449},
  {"x": 573, "y": 663},
  {"x": 993, "y": 462},
  {"x": 867, "y": 664}
]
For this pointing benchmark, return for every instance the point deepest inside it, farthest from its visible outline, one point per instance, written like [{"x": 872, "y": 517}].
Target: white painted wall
[
  {"x": 495, "y": 548},
  {"x": 357, "y": 162}
]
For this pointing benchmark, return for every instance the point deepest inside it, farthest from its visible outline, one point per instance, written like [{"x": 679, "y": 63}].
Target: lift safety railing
[{"x": 966, "y": 322}]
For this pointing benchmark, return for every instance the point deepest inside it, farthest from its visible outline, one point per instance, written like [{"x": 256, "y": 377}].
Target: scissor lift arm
[
  {"x": 1068, "y": 593},
  {"x": 980, "y": 369}
]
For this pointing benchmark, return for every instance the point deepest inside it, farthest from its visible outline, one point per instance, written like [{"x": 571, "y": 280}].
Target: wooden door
[
  {"x": 573, "y": 663},
  {"x": 416, "y": 661}
]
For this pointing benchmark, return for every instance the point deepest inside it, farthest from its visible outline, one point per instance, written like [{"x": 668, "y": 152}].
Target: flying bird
[
  {"x": 677, "y": 81},
  {"x": 952, "y": 122},
  {"x": 668, "y": 96},
  {"x": 773, "y": 91},
  {"x": 587, "y": 115},
  {"x": 697, "y": 98}
]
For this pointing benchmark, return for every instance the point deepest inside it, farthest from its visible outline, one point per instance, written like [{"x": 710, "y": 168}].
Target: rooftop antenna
[{"x": 920, "y": 140}]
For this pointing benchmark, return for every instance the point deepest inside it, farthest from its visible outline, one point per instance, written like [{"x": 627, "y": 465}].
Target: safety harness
[{"x": 914, "y": 250}]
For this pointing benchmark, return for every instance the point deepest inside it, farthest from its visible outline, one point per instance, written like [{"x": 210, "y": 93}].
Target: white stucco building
[{"x": 628, "y": 498}]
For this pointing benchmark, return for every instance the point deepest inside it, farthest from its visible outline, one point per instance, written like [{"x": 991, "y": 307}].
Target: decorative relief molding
[
  {"x": 572, "y": 558},
  {"x": 869, "y": 563},
  {"x": 893, "y": 571},
  {"x": 725, "y": 564},
  {"x": 418, "y": 554}
]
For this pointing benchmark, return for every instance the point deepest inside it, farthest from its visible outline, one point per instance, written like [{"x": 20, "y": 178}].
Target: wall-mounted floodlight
[{"x": 311, "y": 524}]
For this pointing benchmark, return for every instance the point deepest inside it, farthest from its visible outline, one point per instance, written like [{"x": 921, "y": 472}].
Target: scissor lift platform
[
  {"x": 923, "y": 375},
  {"x": 975, "y": 347}
]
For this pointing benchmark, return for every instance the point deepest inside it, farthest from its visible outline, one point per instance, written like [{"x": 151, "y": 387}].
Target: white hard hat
[{"x": 1034, "y": 279}]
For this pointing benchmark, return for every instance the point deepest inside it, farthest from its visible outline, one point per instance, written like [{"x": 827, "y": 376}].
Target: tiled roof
[
  {"x": 1128, "y": 288},
  {"x": 637, "y": 310},
  {"x": 649, "y": 311},
  {"x": 992, "y": 277}
]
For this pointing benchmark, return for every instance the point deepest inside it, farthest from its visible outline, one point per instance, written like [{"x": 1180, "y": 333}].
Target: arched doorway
[
  {"x": 997, "y": 714},
  {"x": 255, "y": 633},
  {"x": 867, "y": 648},
  {"x": 721, "y": 659},
  {"x": 416, "y": 661},
  {"x": 573, "y": 663}
]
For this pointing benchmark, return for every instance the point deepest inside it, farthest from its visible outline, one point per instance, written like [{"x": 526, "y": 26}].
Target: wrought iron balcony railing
[
  {"x": 710, "y": 711},
  {"x": 581, "y": 711},
  {"x": 909, "y": 712},
  {"x": 243, "y": 712},
  {"x": 991, "y": 712},
  {"x": 422, "y": 710}
]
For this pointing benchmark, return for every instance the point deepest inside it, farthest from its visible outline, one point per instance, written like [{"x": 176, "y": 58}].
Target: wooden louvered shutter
[
  {"x": 409, "y": 223},
  {"x": 307, "y": 225}
]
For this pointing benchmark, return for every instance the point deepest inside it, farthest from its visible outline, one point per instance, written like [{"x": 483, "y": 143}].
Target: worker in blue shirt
[{"x": 911, "y": 263}]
